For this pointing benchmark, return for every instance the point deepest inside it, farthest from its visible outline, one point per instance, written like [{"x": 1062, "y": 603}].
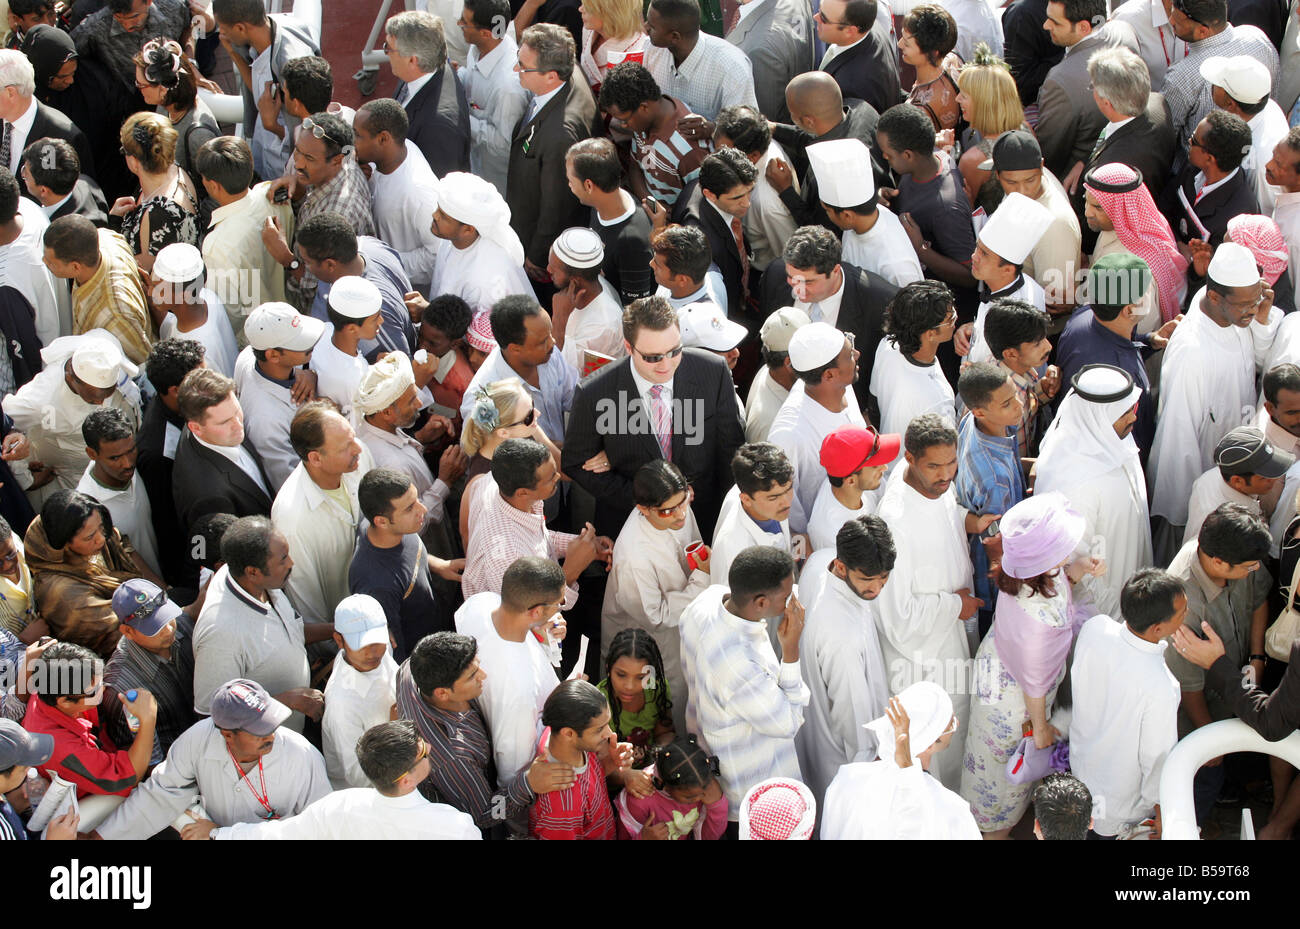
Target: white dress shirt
[
  {"x": 496, "y": 102},
  {"x": 768, "y": 224},
  {"x": 883, "y": 249},
  {"x": 762, "y": 404},
  {"x": 337, "y": 374},
  {"x": 1209, "y": 492},
  {"x": 241, "y": 272},
  {"x": 598, "y": 326},
  {"x": 363, "y": 813},
  {"x": 1286, "y": 213},
  {"x": 355, "y": 702},
  {"x": 1267, "y": 128},
  {"x": 19, "y": 129},
  {"x": 22, "y": 266}
]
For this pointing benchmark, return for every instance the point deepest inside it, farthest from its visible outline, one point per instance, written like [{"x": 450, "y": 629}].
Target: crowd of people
[{"x": 759, "y": 419}]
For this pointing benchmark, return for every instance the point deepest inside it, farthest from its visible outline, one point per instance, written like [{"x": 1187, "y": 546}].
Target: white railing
[{"x": 1177, "y": 807}]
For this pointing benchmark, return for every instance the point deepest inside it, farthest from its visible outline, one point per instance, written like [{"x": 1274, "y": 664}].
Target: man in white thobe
[
  {"x": 317, "y": 510},
  {"x": 355, "y": 315},
  {"x": 922, "y": 616},
  {"x": 841, "y": 659},
  {"x": 1207, "y": 386},
  {"x": 362, "y": 689},
  {"x": 772, "y": 384},
  {"x": 482, "y": 259},
  {"x": 820, "y": 402},
  {"x": 896, "y": 797},
  {"x": 1089, "y": 454}
]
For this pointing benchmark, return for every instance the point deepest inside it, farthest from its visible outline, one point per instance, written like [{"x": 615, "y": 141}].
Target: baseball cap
[
  {"x": 779, "y": 328},
  {"x": 361, "y": 621},
  {"x": 1246, "y": 450},
  {"x": 244, "y": 704},
  {"x": 1016, "y": 150},
  {"x": 278, "y": 325},
  {"x": 705, "y": 325},
  {"x": 20, "y": 747},
  {"x": 849, "y": 449},
  {"x": 1242, "y": 77},
  {"x": 144, "y": 606}
]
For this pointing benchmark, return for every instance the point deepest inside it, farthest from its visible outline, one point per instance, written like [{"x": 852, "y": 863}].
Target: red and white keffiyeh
[
  {"x": 778, "y": 809},
  {"x": 1264, "y": 239}
]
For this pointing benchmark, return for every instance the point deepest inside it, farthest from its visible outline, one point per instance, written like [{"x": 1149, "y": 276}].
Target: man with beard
[{"x": 842, "y": 662}]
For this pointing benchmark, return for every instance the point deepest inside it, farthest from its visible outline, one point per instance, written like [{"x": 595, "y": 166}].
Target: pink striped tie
[{"x": 663, "y": 416}]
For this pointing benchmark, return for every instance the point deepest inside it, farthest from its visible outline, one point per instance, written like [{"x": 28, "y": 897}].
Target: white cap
[
  {"x": 100, "y": 363},
  {"x": 278, "y": 325},
  {"x": 361, "y": 621},
  {"x": 579, "y": 247},
  {"x": 779, "y": 328},
  {"x": 355, "y": 297},
  {"x": 1244, "y": 78},
  {"x": 815, "y": 345},
  {"x": 1233, "y": 265},
  {"x": 1015, "y": 228},
  {"x": 178, "y": 263},
  {"x": 843, "y": 171},
  {"x": 705, "y": 325}
]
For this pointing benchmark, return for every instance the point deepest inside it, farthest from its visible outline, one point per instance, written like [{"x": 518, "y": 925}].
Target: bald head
[{"x": 815, "y": 95}]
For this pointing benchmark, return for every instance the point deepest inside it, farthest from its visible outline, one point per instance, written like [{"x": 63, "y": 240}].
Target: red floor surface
[{"x": 346, "y": 24}]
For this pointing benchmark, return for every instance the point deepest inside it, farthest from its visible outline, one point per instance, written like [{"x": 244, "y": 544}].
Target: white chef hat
[
  {"x": 355, "y": 297},
  {"x": 843, "y": 171},
  {"x": 1233, "y": 265},
  {"x": 1015, "y": 228}
]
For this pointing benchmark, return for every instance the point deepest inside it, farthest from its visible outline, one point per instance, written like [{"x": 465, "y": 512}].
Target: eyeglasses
[
  {"x": 1181, "y": 7},
  {"x": 420, "y": 756},
  {"x": 827, "y": 22},
  {"x": 666, "y": 512},
  {"x": 655, "y": 359},
  {"x": 320, "y": 132},
  {"x": 1247, "y": 304},
  {"x": 147, "y": 608},
  {"x": 1193, "y": 142},
  {"x": 519, "y": 66},
  {"x": 526, "y": 421}
]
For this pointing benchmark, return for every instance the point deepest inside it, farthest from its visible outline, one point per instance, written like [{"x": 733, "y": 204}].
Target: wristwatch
[
  {"x": 1258, "y": 658},
  {"x": 294, "y": 265}
]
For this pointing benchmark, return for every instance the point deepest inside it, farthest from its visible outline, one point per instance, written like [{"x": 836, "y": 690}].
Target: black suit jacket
[
  {"x": 1236, "y": 196},
  {"x": 1029, "y": 51},
  {"x": 722, "y": 245},
  {"x": 541, "y": 204},
  {"x": 439, "y": 116},
  {"x": 204, "y": 482},
  {"x": 52, "y": 124},
  {"x": 862, "y": 312},
  {"x": 156, "y": 472},
  {"x": 608, "y": 415},
  {"x": 85, "y": 200},
  {"x": 869, "y": 71},
  {"x": 1146, "y": 143}
]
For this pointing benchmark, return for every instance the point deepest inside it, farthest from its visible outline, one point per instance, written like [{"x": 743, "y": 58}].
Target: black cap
[
  {"x": 1016, "y": 150},
  {"x": 1246, "y": 450}
]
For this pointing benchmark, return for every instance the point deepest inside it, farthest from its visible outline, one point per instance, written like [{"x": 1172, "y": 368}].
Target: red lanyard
[{"x": 265, "y": 798}]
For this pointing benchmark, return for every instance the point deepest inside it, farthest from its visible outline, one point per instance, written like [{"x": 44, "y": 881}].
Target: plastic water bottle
[{"x": 132, "y": 721}]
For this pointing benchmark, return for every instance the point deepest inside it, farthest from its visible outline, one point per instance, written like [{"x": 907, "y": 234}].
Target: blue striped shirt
[{"x": 989, "y": 480}]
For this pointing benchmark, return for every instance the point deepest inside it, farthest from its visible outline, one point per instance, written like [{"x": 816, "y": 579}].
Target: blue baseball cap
[
  {"x": 143, "y": 606},
  {"x": 20, "y": 747}
]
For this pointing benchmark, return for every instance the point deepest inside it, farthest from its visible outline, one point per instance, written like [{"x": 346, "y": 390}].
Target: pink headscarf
[
  {"x": 1142, "y": 230},
  {"x": 1264, "y": 239}
]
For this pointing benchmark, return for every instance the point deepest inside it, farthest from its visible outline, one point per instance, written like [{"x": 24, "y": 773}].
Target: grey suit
[
  {"x": 1068, "y": 119},
  {"x": 778, "y": 38}
]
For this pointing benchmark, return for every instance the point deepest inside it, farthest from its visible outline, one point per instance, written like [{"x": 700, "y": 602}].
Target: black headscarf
[{"x": 48, "y": 49}]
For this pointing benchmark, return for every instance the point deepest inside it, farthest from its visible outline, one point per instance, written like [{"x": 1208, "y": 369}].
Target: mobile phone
[
  {"x": 991, "y": 529},
  {"x": 282, "y": 195}
]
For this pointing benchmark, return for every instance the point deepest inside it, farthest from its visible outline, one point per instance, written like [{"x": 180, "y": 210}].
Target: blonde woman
[
  {"x": 990, "y": 105},
  {"x": 614, "y": 32},
  {"x": 503, "y": 410},
  {"x": 164, "y": 211}
]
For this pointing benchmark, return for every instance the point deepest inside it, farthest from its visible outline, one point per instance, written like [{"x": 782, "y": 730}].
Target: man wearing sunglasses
[
  {"x": 660, "y": 402},
  {"x": 1213, "y": 187}
]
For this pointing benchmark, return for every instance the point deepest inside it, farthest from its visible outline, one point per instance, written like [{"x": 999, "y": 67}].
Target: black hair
[
  {"x": 517, "y": 469},
  {"x": 30, "y": 7},
  {"x": 530, "y": 581},
  {"x": 908, "y": 127},
  {"x": 656, "y": 482},
  {"x": 71, "y": 669},
  {"x": 725, "y": 170},
  {"x": 378, "y": 492},
  {"x": 1227, "y": 138},
  {"x": 745, "y": 127},
  {"x": 596, "y": 160},
  {"x": 449, "y": 314},
  {"x": 638, "y": 645},
  {"x": 486, "y": 13},
  {"x": 327, "y": 236},
  {"x": 1234, "y": 535},
  {"x": 226, "y": 161},
  {"x": 628, "y": 86},
  {"x": 338, "y": 133},
  {"x": 1278, "y": 378},
  {"x": 759, "y": 466},
  {"x": 105, "y": 425},
  {"x": 9, "y": 194},
  {"x": 758, "y": 570},
  {"x": 247, "y": 544},
  {"x": 812, "y": 247},
  {"x": 915, "y": 310},
  {"x": 310, "y": 81},
  {"x": 439, "y": 660},
  {"x": 685, "y": 250},
  {"x": 682, "y": 16},
  {"x": 308, "y": 426},
  {"x": 682, "y": 763},
  {"x": 934, "y": 30},
  {"x": 861, "y": 13},
  {"x": 1085, "y": 11},
  {"x": 865, "y": 544},
  {"x": 73, "y": 238},
  {"x": 1147, "y": 598},
  {"x": 509, "y": 318},
  {"x": 206, "y": 536},
  {"x": 1063, "y": 807},
  {"x": 1210, "y": 13},
  {"x": 1011, "y": 323},
  {"x": 573, "y": 705},
  {"x": 170, "y": 360},
  {"x": 54, "y": 164},
  {"x": 66, "y": 511},
  {"x": 236, "y": 12},
  {"x": 978, "y": 382},
  {"x": 386, "y": 115},
  {"x": 387, "y": 752},
  {"x": 927, "y": 431}
]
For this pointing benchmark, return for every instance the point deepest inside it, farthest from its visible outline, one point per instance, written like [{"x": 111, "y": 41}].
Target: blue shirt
[
  {"x": 989, "y": 480},
  {"x": 1086, "y": 341},
  {"x": 11, "y": 824},
  {"x": 551, "y": 398},
  {"x": 384, "y": 270}
]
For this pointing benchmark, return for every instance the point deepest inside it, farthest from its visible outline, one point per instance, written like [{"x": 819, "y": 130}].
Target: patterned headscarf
[
  {"x": 1141, "y": 228},
  {"x": 1264, "y": 239}
]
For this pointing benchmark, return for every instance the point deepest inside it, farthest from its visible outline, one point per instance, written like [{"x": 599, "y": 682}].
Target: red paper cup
[{"x": 693, "y": 551}]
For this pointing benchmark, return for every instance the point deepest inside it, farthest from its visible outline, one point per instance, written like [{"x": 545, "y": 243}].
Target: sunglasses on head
[{"x": 320, "y": 132}]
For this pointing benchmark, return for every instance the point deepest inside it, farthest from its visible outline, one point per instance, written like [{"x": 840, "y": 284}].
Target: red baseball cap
[{"x": 851, "y": 448}]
